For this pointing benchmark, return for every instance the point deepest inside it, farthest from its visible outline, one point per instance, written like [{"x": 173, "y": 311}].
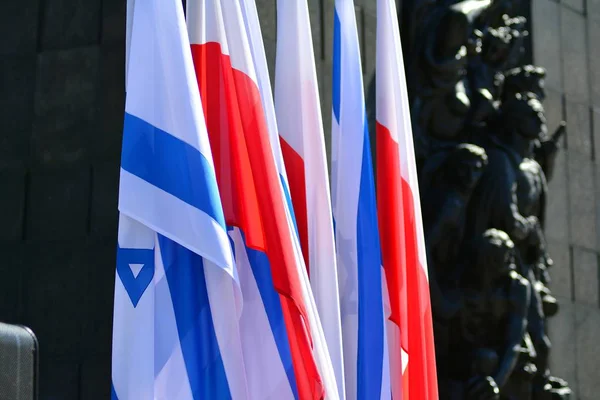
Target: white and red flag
[
  {"x": 289, "y": 359},
  {"x": 300, "y": 126},
  {"x": 410, "y": 331}
]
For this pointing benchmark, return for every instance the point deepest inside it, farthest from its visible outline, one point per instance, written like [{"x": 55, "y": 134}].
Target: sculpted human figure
[{"x": 491, "y": 324}]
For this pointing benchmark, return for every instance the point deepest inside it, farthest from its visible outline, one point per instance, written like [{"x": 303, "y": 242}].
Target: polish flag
[
  {"x": 302, "y": 142},
  {"x": 255, "y": 208},
  {"x": 400, "y": 223}
]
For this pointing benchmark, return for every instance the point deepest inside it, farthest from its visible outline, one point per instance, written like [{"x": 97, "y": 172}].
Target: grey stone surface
[
  {"x": 53, "y": 296},
  {"x": 113, "y": 21},
  {"x": 12, "y": 203},
  {"x": 18, "y": 26},
  {"x": 65, "y": 105},
  {"x": 557, "y": 206},
  {"x": 585, "y": 274},
  {"x": 546, "y": 46},
  {"x": 58, "y": 204},
  {"x": 593, "y": 9},
  {"x": 574, "y": 55},
  {"x": 70, "y": 23},
  {"x": 575, "y": 5},
  {"x": 104, "y": 213},
  {"x": 328, "y": 13},
  {"x": 316, "y": 14},
  {"x": 561, "y": 329},
  {"x": 267, "y": 14},
  {"x": 594, "y": 60},
  {"x": 561, "y": 273},
  {"x": 582, "y": 205},
  {"x": 588, "y": 352},
  {"x": 11, "y": 269},
  {"x": 105, "y": 142},
  {"x": 579, "y": 135},
  {"x": 370, "y": 47}
]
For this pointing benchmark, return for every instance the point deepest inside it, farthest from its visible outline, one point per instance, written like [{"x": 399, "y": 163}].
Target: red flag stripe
[
  {"x": 294, "y": 165},
  {"x": 248, "y": 179}
]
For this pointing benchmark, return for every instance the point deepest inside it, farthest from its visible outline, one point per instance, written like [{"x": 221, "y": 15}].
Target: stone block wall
[{"x": 566, "y": 41}]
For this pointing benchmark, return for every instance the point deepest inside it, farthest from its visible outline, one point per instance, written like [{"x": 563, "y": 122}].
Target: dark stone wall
[{"x": 61, "y": 108}]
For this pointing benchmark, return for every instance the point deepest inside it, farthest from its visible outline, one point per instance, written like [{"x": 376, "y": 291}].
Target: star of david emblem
[{"x": 136, "y": 270}]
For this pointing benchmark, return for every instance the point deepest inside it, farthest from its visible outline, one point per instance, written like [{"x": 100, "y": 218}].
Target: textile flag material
[
  {"x": 405, "y": 265},
  {"x": 252, "y": 195},
  {"x": 177, "y": 296},
  {"x": 300, "y": 126},
  {"x": 262, "y": 75},
  {"x": 355, "y": 213}
]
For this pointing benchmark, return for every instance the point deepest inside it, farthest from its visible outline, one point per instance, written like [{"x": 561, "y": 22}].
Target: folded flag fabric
[
  {"x": 177, "y": 294},
  {"x": 298, "y": 111},
  {"x": 251, "y": 188},
  {"x": 403, "y": 247},
  {"x": 355, "y": 212}
]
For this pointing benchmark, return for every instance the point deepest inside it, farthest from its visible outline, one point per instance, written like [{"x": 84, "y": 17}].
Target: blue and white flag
[
  {"x": 355, "y": 213},
  {"x": 177, "y": 295}
]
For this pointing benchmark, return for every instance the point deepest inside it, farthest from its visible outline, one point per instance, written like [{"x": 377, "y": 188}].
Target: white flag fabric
[
  {"x": 355, "y": 213},
  {"x": 401, "y": 227},
  {"x": 251, "y": 183},
  {"x": 300, "y": 127},
  {"x": 177, "y": 295}
]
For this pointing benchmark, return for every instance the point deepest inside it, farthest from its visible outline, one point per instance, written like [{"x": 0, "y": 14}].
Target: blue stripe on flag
[
  {"x": 170, "y": 164},
  {"x": 337, "y": 64},
  {"x": 370, "y": 305},
  {"x": 262, "y": 274},
  {"x": 185, "y": 275},
  {"x": 113, "y": 393}
]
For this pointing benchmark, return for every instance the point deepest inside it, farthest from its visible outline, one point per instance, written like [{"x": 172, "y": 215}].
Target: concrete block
[
  {"x": 546, "y": 47},
  {"x": 575, "y": 5},
  {"x": 105, "y": 192},
  {"x": 317, "y": 25},
  {"x": 593, "y": 9},
  {"x": 579, "y": 135},
  {"x": 58, "y": 204},
  {"x": 95, "y": 378},
  {"x": 99, "y": 258},
  {"x": 267, "y": 14},
  {"x": 70, "y": 23},
  {"x": 585, "y": 274},
  {"x": 12, "y": 203},
  {"x": 369, "y": 47},
  {"x": 594, "y": 60},
  {"x": 54, "y": 290},
  {"x": 588, "y": 352},
  {"x": 328, "y": 18},
  {"x": 582, "y": 207},
  {"x": 18, "y": 27},
  {"x": 11, "y": 270},
  {"x": 574, "y": 55},
  {"x": 113, "y": 21},
  {"x": 65, "y": 105},
  {"x": 561, "y": 330},
  {"x": 557, "y": 202},
  {"x": 553, "y": 107},
  {"x": 326, "y": 105},
  {"x": 59, "y": 379},
  {"x": 560, "y": 273},
  {"x": 106, "y": 142},
  {"x": 17, "y": 85}
]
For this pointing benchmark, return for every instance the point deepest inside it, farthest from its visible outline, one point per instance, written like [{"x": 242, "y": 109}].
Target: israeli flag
[{"x": 177, "y": 295}]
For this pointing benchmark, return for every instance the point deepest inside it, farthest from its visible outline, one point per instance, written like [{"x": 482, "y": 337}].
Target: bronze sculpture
[{"x": 484, "y": 157}]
